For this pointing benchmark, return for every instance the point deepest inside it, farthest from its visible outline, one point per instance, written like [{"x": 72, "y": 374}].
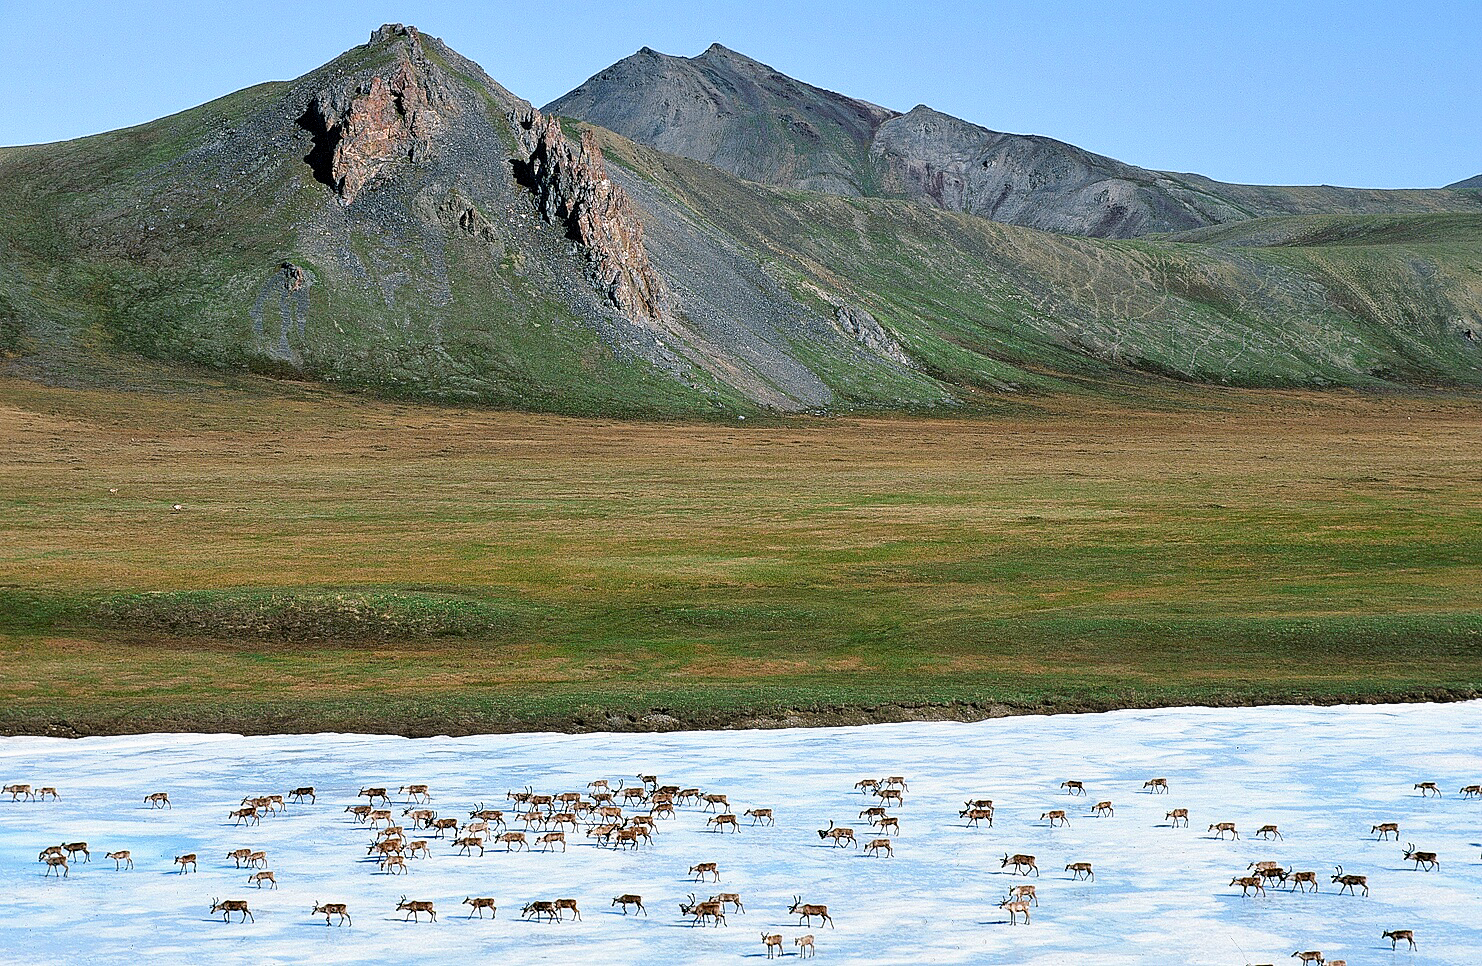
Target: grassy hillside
[
  {"x": 990, "y": 305},
  {"x": 167, "y": 242},
  {"x": 343, "y": 564}
]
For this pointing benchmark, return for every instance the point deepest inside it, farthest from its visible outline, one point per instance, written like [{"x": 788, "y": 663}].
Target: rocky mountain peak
[{"x": 363, "y": 126}]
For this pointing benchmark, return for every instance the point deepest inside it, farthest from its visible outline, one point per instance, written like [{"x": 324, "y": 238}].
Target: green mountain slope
[{"x": 398, "y": 222}]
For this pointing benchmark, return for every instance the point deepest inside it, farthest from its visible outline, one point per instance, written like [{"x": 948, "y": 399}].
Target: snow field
[{"x": 1324, "y": 776}]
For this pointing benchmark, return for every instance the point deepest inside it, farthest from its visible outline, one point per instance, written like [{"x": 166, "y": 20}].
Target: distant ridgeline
[{"x": 694, "y": 236}]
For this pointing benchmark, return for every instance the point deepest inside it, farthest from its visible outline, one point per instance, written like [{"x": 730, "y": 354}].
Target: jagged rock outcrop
[
  {"x": 572, "y": 189},
  {"x": 865, "y": 329},
  {"x": 391, "y": 117}
]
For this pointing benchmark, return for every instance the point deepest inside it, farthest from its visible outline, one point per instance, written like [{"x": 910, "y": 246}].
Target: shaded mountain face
[
  {"x": 1470, "y": 184},
  {"x": 740, "y": 115},
  {"x": 398, "y": 222}
]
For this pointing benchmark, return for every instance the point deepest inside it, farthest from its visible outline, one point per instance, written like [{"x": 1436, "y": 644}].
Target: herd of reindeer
[{"x": 628, "y": 817}]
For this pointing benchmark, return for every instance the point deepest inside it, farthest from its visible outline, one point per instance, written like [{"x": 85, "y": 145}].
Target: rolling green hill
[{"x": 398, "y": 222}]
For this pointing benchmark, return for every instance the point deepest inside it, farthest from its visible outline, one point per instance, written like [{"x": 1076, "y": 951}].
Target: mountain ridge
[
  {"x": 398, "y": 222},
  {"x": 745, "y": 117}
]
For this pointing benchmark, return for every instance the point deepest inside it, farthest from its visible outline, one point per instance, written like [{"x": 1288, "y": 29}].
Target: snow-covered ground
[{"x": 1161, "y": 894}]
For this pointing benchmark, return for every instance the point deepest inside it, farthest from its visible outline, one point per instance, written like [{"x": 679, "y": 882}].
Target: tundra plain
[{"x": 339, "y": 563}]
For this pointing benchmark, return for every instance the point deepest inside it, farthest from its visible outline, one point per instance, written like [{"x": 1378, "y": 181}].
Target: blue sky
[{"x": 1359, "y": 93}]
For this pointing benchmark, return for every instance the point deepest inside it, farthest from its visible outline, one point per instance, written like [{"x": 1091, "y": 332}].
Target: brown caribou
[
  {"x": 1423, "y": 860},
  {"x": 1016, "y": 907},
  {"x": 629, "y": 899},
  {"x": 1158, "y": 785},
  {"x": 333, "y": 909},
  {"x": 1023, "y": 864},
  {"x": 415, "y": 908},
  {"x": 1081, "y": 870},
  {"x": 702, "y": 869},
  {"x": 761, "y": 815},
  {"x": 805, "y": 911},
  {"x": 298, "y": 795},
  {"x": 478, "y": 905},
  {"x": 188, "y": 859},
  {"x": 228, "y": 906},
  {"x": 1350, "y": 881},
  {"x": 121, "y": 859},
  {"x": 773, "y": 942},
  {"x": 840, "y": 834},
  {"x": 1395, "y": 935},
  {"x": 876, "y": 845},
  {"x": 1385, "y": 829},
  {"x": 158, "y": 800},
  {"x": 258, "y": 878}
]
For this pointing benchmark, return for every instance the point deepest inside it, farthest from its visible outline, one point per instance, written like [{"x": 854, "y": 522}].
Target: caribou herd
[{"x": 405, "y": 827}]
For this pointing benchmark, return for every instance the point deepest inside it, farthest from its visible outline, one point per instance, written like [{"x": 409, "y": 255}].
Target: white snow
[{"x": 1160, "y": 895}]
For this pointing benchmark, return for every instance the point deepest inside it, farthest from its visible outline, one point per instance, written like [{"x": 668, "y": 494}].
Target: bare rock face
[
  {"x": 865, "y": 329},
  {"x": 572, "y": 189},
  {"x": 391, "y": 117}
]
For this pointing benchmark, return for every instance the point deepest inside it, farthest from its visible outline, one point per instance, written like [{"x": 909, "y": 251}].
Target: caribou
[
  {"x": 1301, "y": 879},
  {"x": 16, "y": 791},
  {"x": 415, "y": 908},
  {"x": 721, "y": 821},
  {"x": 1423, "y": 860},
  {"x": 1158, "y": 785},
  {"x": 1073, "y": 787},
  {"x": 371, "y": 794},
  {"x": 1023, "y": 864},
  {"x": 1056, "y": 816},
  {"x": 1269, "y": 832},
  {"x": 121, "y": 859},
  {"x": 54, "y": 861},
  {"x": 805, "y": 946},
  {"x": 1103, "y": 809},
  {"x": 1385, "y": 829},
  {"x": 479, "y": 905},
  {"x": 1248, "y": 883},
  {"x": 333, "y": 909},
  {"x": 258, "y": 878},
  {"x": 759, "y": 815},
  {"x": 773, "y": 943},
  {"x": 805, "y": 911},
  {"x": 1081, "y": 870},
  {"x": 538, "y": 908},
  {"x": 1350, "y": 881},
  {"x": 1395, "y": 935},
  {"x": 188, "y": 859},
  {"x": 415, "y": 793},
  {"x": 298, "y": 795},
  {"x": 158, "y": 800},
  {"x": 876, "y": 845},
  {"x": 1016, "y": 907},
  {"x": 701, "y": 911},
  {"x": 1177, "y": 814},
  {"x": 839, "y": 834},
  {"x": 1222, "y": 827},
  {"x": 701, "y": 870},
  {"x": 228, "y": 906},
  {"x": 627, "y": 900},
  {"x": 1428, "y": 788}
]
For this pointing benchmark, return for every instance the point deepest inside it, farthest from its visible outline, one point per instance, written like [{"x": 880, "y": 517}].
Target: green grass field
[{"x": 342, "y": 563}]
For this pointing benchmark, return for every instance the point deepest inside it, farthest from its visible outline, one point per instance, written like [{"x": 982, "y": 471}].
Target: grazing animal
[
  {"x": 512, "y": 839},
  {"x": 1016, "y": 907},
  {"x": 899, "y": 781},
  {"x": 887, "y": 823},
  {"x": 360, "y": 812},
  {"x": 16, "y": 791},
  {"x": 1422, "y": 860},
  {"x": 875, "y": 845},
  {"x": 55, "y": 861},
  {"x": 421, "y": 817},
  {"x": 46, "y": 790},
  {"x": 891, "y": 795},
  {"x": 872, "y": 813},
  {"x": 538, "y": 908},
  {"x": 1222, "y": 827},
  {"x": 158, "y": 800},
  {"x": 721, "y": 821},
  {"x": 298, "y": 795},
  {"x": 238, "y": 856},
  {"x": 806, "y": 912},
  {"x": 1248, "y": 883},
  {"x": 371, "y": 794},
  {"x": 1385, "y": 828},
  {"x": 731, "y": 898},
  {"x": 72, "y": 848},
  {"x": 479, "y": 905},
  {"x": 1056, "y": 816},
  {"x": 121, "y": 859},
  {"x": 1023, "y": 864},
  {"x": 1269, "y": 832},
  {"x": 228, "y": 906},
  {"x": 378, "y": 816},
  {"x": 773, "y": 944},
  {"x": 1103, "y": 808},
  {"x": 1395, "y": 935},
  {"x": 257, "y": 860},
  {"x": 1176, "y": 815},
  {"x": 1301, "y": 879},
  {"x": 563, "y": 904},
  {"x": 703, "y": 869},
  {"x": 805, "y": 946},
  {"x": 629, "y": 900},
  {"x": 333, "y": 909},
  {"x": 867, "y": 785},
  {"x": 1073, "y": 787},
  {"x": 258, "y": 878},
  {"x": 1350, "y": 881},
  {"x": 391, "y": 863},
  {"x": 1310, "y": 956},
  {"x": 549, "y": 840},
  {"x": 762, "y": 815},
  {"x": 714, "y": 801},
  {"x": 442, "y": 825},
  {"x": 415, "y": 793},
  {"x": 1025, "y": 892},
  {"x": 247, "y": 816},
  {"x": 840, "y": 834},
  {"x": 1470, "y": 791},
  {"x": 1158, "y": 785},
  {"x": 188, "y": 859},
  {"x": 420, "y": 845},
  {"x": 415, "y": 908},
  {"x": 1428, "y": 788},
  {"x": 468, "y": 843},
  {"x": 976, "y": 815},
  {"x": 701, "y": 911},
  {"x": 1081, "y": 870}
]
